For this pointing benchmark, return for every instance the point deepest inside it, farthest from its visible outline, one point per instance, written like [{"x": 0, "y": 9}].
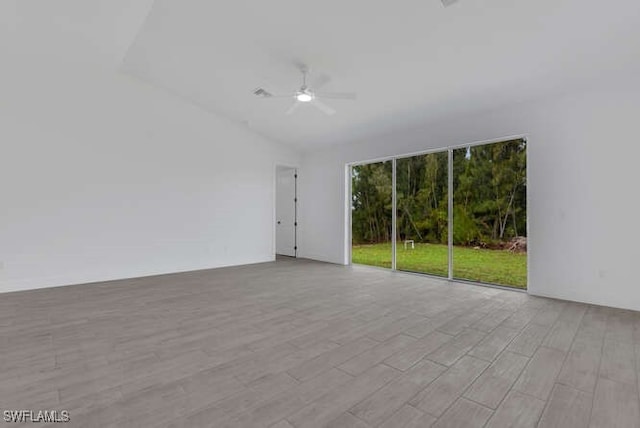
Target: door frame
[
  {"x": 449, "y": 149},
  {"x": 274, "y": 220}
]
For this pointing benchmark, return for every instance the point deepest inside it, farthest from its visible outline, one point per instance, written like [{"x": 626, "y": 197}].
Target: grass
[{"x": 491, "y": 266}]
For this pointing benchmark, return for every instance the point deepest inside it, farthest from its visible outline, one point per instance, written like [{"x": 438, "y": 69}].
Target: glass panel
[
  {"x": 421, "y": 192},
  {"x": 371, "y": 209},
  {"x": 490, "y": 213}
]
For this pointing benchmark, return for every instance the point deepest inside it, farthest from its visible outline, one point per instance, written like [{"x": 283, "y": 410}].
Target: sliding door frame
[
  {"x": 348, "y": 221},
  {"x": 449, "y": 150},
  {"x": 450, "y": 213}
]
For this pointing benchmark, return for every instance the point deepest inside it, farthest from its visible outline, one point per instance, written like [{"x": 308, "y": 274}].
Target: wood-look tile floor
[{"x": 303, "y": 344}]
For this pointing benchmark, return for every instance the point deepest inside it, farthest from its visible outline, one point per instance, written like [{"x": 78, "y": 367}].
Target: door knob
[{"x": 278, "y": 221}]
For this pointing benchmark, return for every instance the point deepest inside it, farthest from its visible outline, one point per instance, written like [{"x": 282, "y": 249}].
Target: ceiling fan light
[{"x": 304, "y": 97}]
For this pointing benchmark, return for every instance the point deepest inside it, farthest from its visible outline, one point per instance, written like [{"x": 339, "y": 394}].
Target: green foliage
[
  {"x": 490, "y": 188},
  {"x": 465, "y": 229},
  {"x": 489, "y": 196},
  {"x": 489, "y": 266},
  {"x": 372, "y": 203}
]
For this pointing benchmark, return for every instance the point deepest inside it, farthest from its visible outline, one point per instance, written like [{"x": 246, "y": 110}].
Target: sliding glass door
[
  {"x": 422, "y": 219},
  {"x": 490, "y": 213},
  {"x": 371, "y": 214},
  {"x": 459, "y": 213}
]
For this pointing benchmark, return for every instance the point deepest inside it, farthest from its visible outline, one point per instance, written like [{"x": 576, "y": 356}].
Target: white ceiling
[
  {"x": 69, "y": 31},
  {"x": 408, "y": 60}
]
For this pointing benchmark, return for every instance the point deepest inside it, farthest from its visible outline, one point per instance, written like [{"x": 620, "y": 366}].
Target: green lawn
[{"x": 491, "y": 266}]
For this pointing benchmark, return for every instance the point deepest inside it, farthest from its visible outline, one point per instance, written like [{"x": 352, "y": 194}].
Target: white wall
[
  {"x": 584, "y": 153},
  {"x": 105, "y": 177}
]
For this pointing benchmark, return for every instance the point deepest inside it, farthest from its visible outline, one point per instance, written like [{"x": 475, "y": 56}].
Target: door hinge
[
  {"x": 295, "y": 224},
  {"x": 295, "y": 248},
  {"x": 295, "y": 175},
  {"x": 295, "y": 199}
]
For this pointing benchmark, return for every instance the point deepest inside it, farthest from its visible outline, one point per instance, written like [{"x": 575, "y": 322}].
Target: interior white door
[{"x": 286, "y": 212}]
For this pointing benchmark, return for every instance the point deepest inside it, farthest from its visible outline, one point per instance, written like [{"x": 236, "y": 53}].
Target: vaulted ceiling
[
  {"x": 69, "y": 31},
  {"x": 408, "y": 60}
]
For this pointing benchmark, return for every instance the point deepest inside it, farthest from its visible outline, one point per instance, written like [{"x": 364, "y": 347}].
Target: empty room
[{"x": 341, "y": 214}]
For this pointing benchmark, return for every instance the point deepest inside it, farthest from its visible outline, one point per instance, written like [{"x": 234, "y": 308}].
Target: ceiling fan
[{"x": 308, "y": 95}]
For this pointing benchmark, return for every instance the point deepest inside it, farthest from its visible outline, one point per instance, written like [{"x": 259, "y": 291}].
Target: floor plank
[
  {"x": 615, "y": 405},
  {"x": 361, "y": 363},
  {"x": 618, "y": 361},
  {"x": 528, "y": 341},
  {"x": 390, "y": 398},
  {"x": 464, "y": 414},
  {"x": 444, "y": 391},
  {"x": 494, "y": 384},
  {"x": 568, "y": 408},
  {"x": 456, "y": 348},
  {"x": 580, "y": 369},
  {"x": 331, "y": 405},
  {"x": 404, "y": 417},
  {"x": 539, "y": 376},
  {"x": 493, "y": 344},
  {"x": 297, "y": 343},
  {"x": 517, "y": 411}
]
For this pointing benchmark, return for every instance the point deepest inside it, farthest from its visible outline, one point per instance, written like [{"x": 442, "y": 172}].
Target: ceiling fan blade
[
  {"x": 261, "y": 92},
  {"x": 293, "y": 108},
  {"x": 447, "y": 3},
  {"x": 337, "y": 95},
  {"x": 323, "y": 107},
  {"x": 266, "y": 95}
]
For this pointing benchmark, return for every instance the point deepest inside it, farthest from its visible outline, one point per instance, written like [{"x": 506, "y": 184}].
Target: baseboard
[
  {"x": 588, "y": 301},
  {"x": 89, "y": 279},
  {"x": 321, "y": 258}
]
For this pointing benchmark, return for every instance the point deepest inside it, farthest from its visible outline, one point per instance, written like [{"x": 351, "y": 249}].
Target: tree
[{"x": 489, "y": 196}]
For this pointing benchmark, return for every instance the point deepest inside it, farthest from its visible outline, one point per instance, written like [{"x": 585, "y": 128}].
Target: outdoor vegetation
[{"x": 489, "y": 213}]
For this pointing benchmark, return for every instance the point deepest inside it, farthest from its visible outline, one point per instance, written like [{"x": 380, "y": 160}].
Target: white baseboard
[{"x": 10, "y": 286}]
